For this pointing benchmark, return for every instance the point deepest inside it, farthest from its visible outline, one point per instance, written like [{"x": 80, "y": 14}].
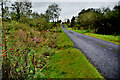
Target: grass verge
[{"x": 69, "y": 62}]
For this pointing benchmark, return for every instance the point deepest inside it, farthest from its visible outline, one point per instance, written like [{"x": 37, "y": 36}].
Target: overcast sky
[{"x": 70, "y": 9}]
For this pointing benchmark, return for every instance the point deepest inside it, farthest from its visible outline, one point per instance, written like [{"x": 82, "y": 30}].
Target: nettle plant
[{"x": 25, "y": 60}]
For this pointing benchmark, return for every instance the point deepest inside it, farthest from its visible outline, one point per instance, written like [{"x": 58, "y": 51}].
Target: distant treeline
[
  {"x": 21, "y": 12},
  {"x": 101, "y": 21}
]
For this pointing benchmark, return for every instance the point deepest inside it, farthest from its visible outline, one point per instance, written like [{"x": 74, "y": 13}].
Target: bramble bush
[{"x": 28, "y": 51}]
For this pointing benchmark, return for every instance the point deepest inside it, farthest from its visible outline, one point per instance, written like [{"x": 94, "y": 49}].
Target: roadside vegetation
[
  {"x": 27, "y": 42},
  {"x": 43, "y": 54}
]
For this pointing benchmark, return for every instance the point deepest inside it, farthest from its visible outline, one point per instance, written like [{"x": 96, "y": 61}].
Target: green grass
[
  {"x": 110, "y": 38},
  {"x": 63, "y": 41},
  {"x": 69, "y": 62}
]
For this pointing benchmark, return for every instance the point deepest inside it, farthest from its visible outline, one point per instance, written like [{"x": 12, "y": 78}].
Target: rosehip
[
  {"x": 3, "y": 55},
  {"x": 32, "y": 39},
  {"x": 3, "y": 50},
  {"x": 11, "y": 48}
]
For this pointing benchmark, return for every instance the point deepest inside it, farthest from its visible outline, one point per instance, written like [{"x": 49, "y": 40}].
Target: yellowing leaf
[{"x": 34, "y": 59}]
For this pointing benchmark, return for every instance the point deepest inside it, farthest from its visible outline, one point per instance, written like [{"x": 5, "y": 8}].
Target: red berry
[
  {"x": 11, "y": 48},
  {"x": 3, "y": 50},
  {"x": 39, "y": 39},
  {"x": 32, "y": 39},
  {"x": 3, "y": 45},
  {"x": 17, "y": 51},
  {"x": 3, "y": 55},
  {"x": 18, "y": 54},
  {"x": 47, "y": 30}
]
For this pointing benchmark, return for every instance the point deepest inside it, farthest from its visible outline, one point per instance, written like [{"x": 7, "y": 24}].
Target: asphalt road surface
[{"x": 105, "y": 56}]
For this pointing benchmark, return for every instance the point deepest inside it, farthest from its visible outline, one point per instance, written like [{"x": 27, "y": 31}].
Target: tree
[
  {"x": 84, "y": 11},
  {"x": 89, "y": 19},
  {"x": 72, "y": 22},
  {"x": 53, "y": 12},
  {"x": 68, "y": 21},
  {"x": 59, "y": 21},
  {"x": 20, "y": 9},
  {"x": 5, "y": 10}
]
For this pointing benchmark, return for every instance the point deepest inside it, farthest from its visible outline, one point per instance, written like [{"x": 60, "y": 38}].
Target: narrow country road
[{"x": 105, "y": 56}]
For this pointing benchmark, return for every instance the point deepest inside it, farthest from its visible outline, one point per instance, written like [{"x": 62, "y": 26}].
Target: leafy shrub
[
  {"x": 13, "y": 25},
  {"x": 22, "y": 46}
]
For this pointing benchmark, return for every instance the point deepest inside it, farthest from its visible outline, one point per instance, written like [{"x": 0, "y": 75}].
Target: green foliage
[
  {"x": 42, "y": 24},
  {"x": 72, "y": 22},
  {"x": 88, "y": 20},
  {"x": 13, "y": 25},
  {"x": 101, "y": 21},
  {"x": 21, "y": 9},
  {"x": 39, "y": 23}
]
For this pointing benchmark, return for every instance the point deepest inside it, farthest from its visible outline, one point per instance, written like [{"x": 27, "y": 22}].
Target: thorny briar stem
[
  {"x": 26, "y": 59},
  {"x": 4, "y": 28},
  {"x": 34, "y": 62},
  {"x": 5, "y": 40}
]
